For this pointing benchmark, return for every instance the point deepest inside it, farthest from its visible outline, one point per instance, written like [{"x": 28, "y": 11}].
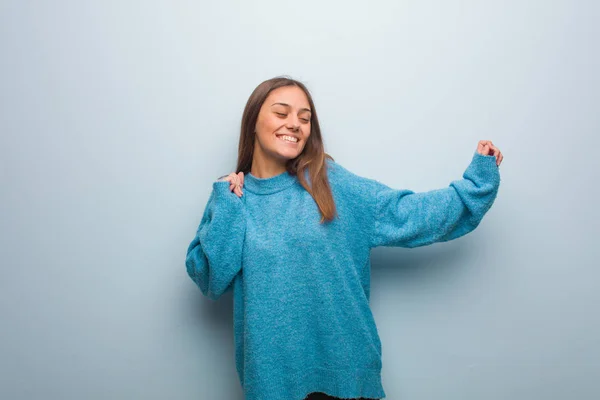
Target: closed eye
[{"x": 306, "y": 120}]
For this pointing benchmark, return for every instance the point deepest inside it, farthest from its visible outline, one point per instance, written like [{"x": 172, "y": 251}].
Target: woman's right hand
[{"x": 236, "y": 182}]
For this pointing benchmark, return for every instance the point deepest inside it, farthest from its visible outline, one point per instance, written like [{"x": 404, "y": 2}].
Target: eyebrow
[{"x": 287, "y": 105}]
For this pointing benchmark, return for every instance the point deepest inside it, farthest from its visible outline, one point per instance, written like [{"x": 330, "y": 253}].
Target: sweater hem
[{"x": 342, "y": 383}]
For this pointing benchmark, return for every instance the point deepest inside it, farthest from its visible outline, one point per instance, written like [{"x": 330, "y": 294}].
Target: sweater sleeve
[
  {"x": 404, "y": 218},
  {"x": 214, "y": 257}
]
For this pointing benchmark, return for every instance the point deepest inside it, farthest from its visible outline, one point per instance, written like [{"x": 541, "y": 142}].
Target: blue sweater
[{"x": 302, "y": 320}]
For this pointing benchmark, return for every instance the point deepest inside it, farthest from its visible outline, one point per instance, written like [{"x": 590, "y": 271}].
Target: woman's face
[{"x": 283, "y": 124}]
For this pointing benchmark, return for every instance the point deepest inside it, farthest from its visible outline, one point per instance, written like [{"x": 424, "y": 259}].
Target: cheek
[
  {"x": 268, "y": 125},
  {"x": 306, "y": 131}
]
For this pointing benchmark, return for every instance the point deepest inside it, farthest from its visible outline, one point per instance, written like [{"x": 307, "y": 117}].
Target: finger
[
  {"x": 480, "y": 147},
  {"x": 484, "y": 147},
  {"x": 496, "y": 153}
]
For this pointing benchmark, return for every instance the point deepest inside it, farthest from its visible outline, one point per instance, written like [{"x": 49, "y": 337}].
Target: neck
[{"x": 263, "y": 167}]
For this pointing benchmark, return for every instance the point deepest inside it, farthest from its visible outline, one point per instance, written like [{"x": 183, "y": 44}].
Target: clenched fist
[{"x": 485, "y": 147}]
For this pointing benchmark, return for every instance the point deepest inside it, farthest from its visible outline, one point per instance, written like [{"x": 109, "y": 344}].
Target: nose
[{"x": 292, "y": 123}]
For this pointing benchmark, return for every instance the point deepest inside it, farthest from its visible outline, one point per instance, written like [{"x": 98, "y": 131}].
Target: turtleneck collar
[{"x": 268, "y": 185}]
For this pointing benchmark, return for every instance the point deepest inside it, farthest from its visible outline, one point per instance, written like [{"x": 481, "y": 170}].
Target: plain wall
[{"x": 117, "y": 116}]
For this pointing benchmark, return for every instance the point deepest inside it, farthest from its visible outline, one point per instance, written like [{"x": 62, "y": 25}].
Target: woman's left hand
[{"x": 487, "y": 148}]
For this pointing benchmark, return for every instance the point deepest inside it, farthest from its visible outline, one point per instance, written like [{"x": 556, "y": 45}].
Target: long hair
[{"x": 312, "y": 158}]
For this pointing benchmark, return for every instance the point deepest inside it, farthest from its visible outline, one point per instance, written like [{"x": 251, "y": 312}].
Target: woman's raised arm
[{"x": 404, "y": 218}]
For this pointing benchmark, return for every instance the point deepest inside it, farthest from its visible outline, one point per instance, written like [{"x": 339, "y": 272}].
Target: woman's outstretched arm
[
  {"x": 214, "y": 257},
  {"x": 404, "y": 218}
]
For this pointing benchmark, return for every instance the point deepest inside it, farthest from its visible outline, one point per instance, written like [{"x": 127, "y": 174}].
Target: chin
[{"x": 288, "y": 155}]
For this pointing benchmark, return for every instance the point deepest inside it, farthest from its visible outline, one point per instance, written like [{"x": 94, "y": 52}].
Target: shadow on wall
[
  {"x": 218, "y": 315},
  {"x": 439, "y": 261}
]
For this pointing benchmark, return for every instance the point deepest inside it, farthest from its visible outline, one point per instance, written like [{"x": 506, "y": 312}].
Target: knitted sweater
[{"x": 302, "y": 320}]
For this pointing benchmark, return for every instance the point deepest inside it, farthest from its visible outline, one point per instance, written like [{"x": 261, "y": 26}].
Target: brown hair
[{"x": 312, "y": 157}]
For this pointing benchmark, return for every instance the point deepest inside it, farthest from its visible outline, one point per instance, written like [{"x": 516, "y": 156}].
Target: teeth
[{"x": 289, "y": 138}]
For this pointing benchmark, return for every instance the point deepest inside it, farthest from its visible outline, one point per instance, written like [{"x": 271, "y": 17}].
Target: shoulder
[
  {"x": 337, "y": 171},
  {"x": 344, "y": 181}
]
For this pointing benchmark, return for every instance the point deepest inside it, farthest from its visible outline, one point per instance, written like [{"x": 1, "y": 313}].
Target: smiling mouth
[{"x": 280, "y": 137}]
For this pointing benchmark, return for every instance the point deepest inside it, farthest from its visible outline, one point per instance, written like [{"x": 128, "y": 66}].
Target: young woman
[{"x": 290, "y": 232}]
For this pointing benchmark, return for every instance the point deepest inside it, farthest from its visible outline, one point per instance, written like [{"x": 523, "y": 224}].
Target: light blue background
[{"x": 116, "y": 117}]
